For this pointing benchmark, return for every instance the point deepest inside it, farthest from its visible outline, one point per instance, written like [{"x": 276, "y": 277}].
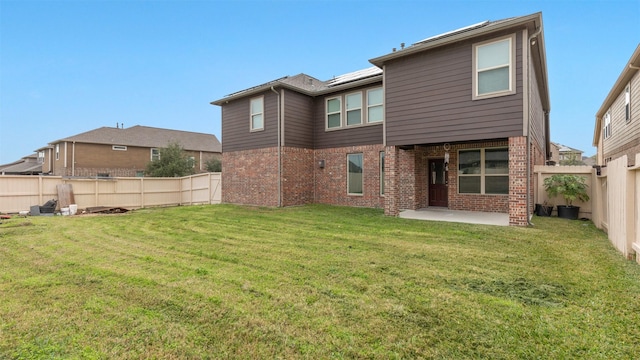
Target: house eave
[
  {"x": 625, "y": 76},
  {"x": 266, "y": 87},
  {"x": 519, "y": 21}
]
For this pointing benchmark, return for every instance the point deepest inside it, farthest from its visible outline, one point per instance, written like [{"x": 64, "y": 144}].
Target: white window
[
  {"x": 627, "y": 103},
  {"x": 483, "y": 171},
  {"x": 57, "y": 151},
  {"x": 334, "y": 113},
  {"x": 155, "y": 154},
  {"x": 119, "y": 147},
  {"x": 606, "y": 130},
  {"x": 375, "y": 109},
  {"x": 354, "y": 108},
  {"x": 40, "y": 157},
  {"x": 382, "y": 173},
  {"x": 493, "y": 68},
  {"x": 354, "y": 174},
  {"x": 257, "y": 114}
]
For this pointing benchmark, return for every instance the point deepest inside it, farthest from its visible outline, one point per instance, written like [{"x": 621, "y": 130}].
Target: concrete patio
[{"x": 444, "y": 214}]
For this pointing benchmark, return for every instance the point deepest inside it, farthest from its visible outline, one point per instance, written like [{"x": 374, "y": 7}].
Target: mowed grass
[{"x": 311, "y": 282}]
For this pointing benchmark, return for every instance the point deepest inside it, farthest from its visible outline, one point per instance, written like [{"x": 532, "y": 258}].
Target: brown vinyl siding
[
  {"x": 428, "y": 99},
  {"x": 536, "y": 113},
  {"x": 235, "y": 124},
  {"x": 298, "y": 120},
  {"x": 367, "y": 134},
  {"x": 624, "y": 134}
]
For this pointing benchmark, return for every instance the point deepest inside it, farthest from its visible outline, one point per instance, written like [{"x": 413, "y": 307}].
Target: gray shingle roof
[{"x": 145, "y": 136}]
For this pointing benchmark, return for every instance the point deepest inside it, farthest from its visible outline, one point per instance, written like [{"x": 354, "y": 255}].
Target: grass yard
[{"x": 312, "y": 282}]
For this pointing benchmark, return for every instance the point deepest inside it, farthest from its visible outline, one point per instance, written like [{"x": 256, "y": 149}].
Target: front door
[{"x": 437, "y": 183}]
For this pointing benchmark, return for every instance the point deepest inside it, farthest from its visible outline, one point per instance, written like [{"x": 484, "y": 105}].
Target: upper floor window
[
  {"x": 334, "y": 112},
  {"x": 40, "y": 157},
  {"x": 627, "y": 103},
  {"x": 606, "y": 129},
  {"x": 119, "y": 147},
  {"x": 354, "y": 108},
  {"x": 257, "y": 114},
  {"x": 57, "y": 151},
  {"x": 375, "y": 110},
  {"x": 493, "y": 68},
  {"x": 483, "y": 171},
  {"x": 155, "y": 154}
]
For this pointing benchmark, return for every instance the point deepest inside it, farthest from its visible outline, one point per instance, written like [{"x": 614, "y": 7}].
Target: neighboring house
[
  {"x": 111, "y": 152},
  {"x": 27, "y": 165},
  {"x": 617, "y": 130},
  {"x": 565, "y": 155},
  {"x": 456, "y": 120}
]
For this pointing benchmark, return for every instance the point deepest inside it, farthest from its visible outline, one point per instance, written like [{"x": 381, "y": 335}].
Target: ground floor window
[
  {"x": 483, "y": 171},
  {"x": 354, "y": 174}
]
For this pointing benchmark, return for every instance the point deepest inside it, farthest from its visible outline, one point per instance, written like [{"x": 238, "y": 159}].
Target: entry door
[{"x": 437, "y": 183}]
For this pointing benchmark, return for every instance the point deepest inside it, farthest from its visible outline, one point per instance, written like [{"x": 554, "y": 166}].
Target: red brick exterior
[
  {"x": 251, "y": 177},
  {"x": 298, "y": 165},
  {"x": 331, "y": 181}
]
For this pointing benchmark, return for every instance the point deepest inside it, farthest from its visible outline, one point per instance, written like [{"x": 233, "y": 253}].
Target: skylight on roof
[{"x": 463, "y": 29}]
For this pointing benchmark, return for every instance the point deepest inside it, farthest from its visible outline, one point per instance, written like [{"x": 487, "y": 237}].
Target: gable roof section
[
  {"x": 144, "y": 136},
  {"x": 26, "y": 165},
  {"x": 309, "y": 85},
  {"x": 532, "y": 23},
  {"x": 627, "y": 73}
]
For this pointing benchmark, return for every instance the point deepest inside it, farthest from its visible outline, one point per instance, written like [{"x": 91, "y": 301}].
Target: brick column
[
  {"x": 518, "y": 181},
  {"x": 391, "y": 190}
]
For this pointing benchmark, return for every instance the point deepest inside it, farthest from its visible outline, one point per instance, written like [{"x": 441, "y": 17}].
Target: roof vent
[
  {"x": 401, "y": 46},
  {"x": 393, "y": 50}
]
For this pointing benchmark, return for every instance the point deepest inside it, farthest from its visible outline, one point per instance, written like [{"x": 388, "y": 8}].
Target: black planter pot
[
  {"x": 568, "y": 212},
  {"x": 543, "y": 210}
]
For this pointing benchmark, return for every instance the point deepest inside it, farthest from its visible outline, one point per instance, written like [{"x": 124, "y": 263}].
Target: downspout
[
  {"x": 73, "y": 159},
  {"x": 528, "y": 197},
  {"x": 279, "y": 153}
]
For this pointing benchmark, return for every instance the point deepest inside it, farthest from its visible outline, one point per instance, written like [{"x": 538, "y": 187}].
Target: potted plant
[
  {"x": 571, "y": 188},
  {"x": 544, "y": 209}
]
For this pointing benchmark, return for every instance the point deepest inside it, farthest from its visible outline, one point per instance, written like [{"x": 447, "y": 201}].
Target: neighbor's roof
[
  {"x": 27, "y": 164},
  {"x": 144, "y": 136},
  {"x": 309, "y": 85},
  {"x": 627, "y": 73},
  {"x": 565, "y": 148}
]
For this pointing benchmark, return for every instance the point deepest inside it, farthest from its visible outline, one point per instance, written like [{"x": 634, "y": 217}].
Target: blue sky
[{"x": 67, "y": 67}]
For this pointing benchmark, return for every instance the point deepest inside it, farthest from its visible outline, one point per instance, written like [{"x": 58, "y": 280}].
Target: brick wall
[
  {"x": 298, "y": 166},
  {"x": 331, "y": 181},
  {"x": 250, "y": 177}
]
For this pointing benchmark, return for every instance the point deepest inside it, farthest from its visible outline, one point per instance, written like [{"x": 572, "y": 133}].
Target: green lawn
[{"x": 311, "y": 282}]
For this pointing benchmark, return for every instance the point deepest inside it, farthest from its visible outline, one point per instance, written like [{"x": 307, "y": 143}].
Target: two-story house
[
  {"x": 456, "y": 120},
  {"x": 617, "y": 130},
  {"x": 560, "y": 154},
  {"x": 112, "y": 152}
]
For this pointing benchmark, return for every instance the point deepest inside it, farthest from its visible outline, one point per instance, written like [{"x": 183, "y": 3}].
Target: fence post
[{"x": 142, "y": 192}]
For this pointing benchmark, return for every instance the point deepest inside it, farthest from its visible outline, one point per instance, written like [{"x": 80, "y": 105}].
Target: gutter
[{"x": 279, "y": 152}]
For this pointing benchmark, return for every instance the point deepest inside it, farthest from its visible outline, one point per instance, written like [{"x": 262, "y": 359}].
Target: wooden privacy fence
[
  {"x": 543, "y": 172},
  {"x": 18, "y": 193}
]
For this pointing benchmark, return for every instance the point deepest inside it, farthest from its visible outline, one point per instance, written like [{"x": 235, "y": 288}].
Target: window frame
[
  {"x": 252, "y": 114},
  {"x": 483, "y": 174},
  {"x": 347, "y": 109},
  {"x": 157, "y": 150},
  {"x": 627, "y": 102},
  {"x": 606, "y": 128},
  {"x": 57, "y": 151},
  {"x": 361, "y": 155},
  {"x": 327, "y": 113},
  {"x": 369, "y": 106},
  {"x": 511, "y": 68}
]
